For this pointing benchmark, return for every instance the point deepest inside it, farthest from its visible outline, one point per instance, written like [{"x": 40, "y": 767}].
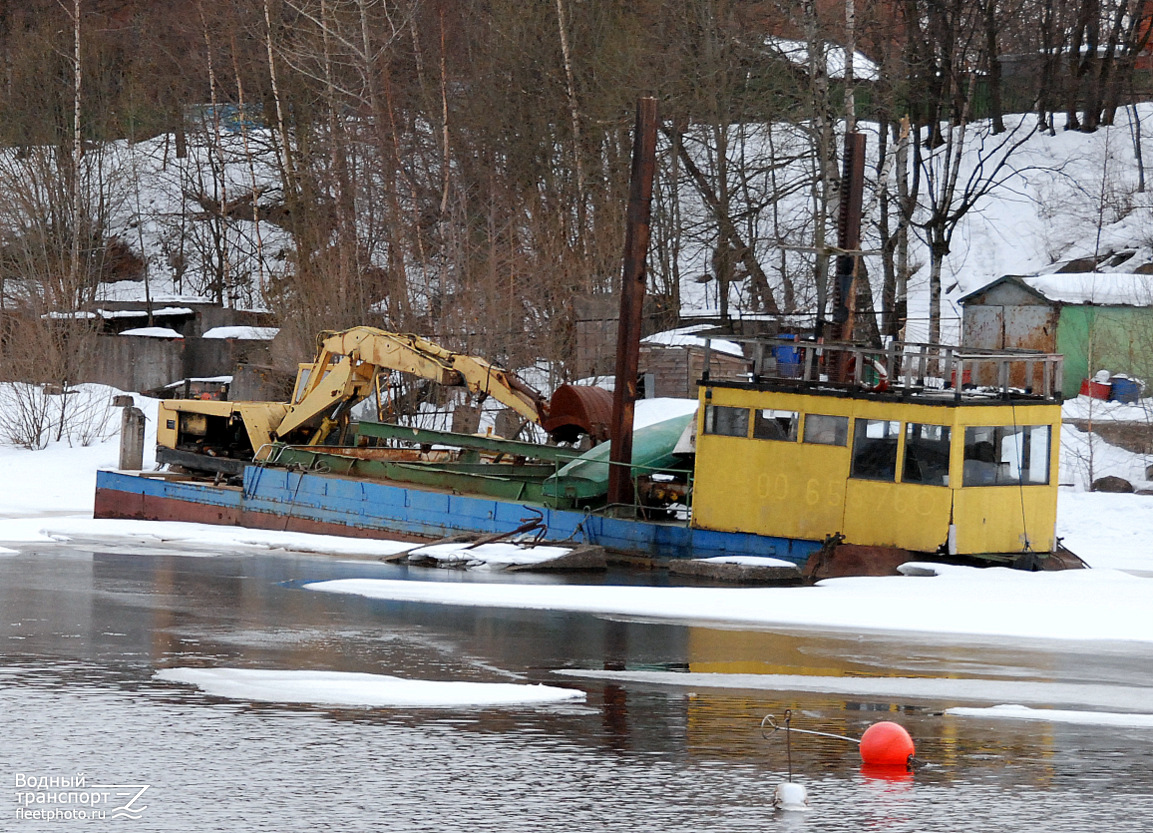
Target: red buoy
[{"x": 886, "y": 744}]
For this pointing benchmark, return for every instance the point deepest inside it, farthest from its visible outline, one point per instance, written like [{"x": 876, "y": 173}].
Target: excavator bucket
[{"x": 579, "y": 409}]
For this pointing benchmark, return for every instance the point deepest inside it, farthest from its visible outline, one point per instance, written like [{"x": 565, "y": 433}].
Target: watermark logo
[{"x": 72, "y": 798}]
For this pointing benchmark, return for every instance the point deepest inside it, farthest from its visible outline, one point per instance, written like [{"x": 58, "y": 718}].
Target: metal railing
[{"x": 903, "y": 368}]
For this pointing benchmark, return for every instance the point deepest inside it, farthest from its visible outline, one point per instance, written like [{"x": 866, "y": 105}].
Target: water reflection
[{"x": 83, "y": 633}]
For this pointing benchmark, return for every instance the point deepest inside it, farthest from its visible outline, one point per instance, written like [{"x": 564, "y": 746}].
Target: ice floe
[
  {"x": 340, "y": 688},
  {"x": 991, "y": 602},
  {"x": 1019, "y": 712}
]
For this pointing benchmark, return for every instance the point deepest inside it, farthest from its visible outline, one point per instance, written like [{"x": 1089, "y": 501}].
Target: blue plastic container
[
  {"x": 788, "y": 360},
  {"x": 1125, "y": 390}
]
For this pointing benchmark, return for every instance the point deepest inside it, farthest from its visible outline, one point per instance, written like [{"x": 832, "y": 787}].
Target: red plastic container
[{"x": 1096, "y": 390}]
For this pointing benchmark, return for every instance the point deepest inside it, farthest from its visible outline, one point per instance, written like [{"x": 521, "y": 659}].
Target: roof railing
[{"x": 904, "y": 368}]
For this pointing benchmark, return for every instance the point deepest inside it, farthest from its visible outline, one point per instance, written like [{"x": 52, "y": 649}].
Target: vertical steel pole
[{"x": 632, "y": 301}]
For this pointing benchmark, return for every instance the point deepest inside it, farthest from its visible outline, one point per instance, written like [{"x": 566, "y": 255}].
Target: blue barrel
[
  {"x": 788, "y": 361},
  {"x": 1125, "y": 389}
]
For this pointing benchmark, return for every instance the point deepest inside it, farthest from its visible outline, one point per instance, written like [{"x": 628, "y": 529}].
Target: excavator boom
[
  {"x": 194, "y": 433},
  {"x": 347, "y": 361}
]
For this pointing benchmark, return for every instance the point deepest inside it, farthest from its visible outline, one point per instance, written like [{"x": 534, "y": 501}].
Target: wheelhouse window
[
  {"x": 926, "y": 454},
  {"x": 726, "y": 421},
  {"x": 1007, "y": 455},
  {"x": 826, "y": 430},
  {"x": 875, "y": 449},
  {"x": 770, "y": 424}
]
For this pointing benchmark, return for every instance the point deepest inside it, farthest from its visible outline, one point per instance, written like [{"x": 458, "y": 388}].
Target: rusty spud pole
[
  {"x": 849, "y": 233},
  {"x": 632, "y": 301},
  {"x": 849, "y": 241}
]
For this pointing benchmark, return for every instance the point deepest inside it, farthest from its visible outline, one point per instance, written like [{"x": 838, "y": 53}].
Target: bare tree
[
  {"x": 54, "y": 248},
  {"x": 954, "y": 185},
  {"x": 1105, "y": 39}
]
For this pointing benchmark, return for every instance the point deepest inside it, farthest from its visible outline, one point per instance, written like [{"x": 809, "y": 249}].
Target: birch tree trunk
[{"x": 77, "y": 156}]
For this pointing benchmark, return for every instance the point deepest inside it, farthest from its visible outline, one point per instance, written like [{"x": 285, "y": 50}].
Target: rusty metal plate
[{"x": 579, "y": 409}]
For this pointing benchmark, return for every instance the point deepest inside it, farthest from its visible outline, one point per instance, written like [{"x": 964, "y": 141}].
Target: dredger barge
[{"x": 839, "y": 458}]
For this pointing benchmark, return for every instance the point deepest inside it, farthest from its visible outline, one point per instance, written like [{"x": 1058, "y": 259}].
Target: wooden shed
[{"x": 675, "y": 361}]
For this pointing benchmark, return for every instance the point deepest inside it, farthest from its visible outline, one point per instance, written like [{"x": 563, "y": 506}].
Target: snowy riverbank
[{"x": 46, "y": 497}]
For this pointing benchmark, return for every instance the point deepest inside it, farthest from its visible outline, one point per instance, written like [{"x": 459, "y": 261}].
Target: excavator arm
[
  {"x": 347, "y": 361},
  {"x": 193, "y": 432}
]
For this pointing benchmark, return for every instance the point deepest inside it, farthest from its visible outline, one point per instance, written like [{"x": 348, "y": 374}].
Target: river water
[{"x": 82, "y": 633}]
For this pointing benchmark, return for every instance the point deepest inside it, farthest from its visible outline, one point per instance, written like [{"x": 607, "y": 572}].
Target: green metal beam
[{"x": 424, "y": 436}]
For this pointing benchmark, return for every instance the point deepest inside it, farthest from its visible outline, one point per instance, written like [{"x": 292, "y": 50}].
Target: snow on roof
[
  {"x": 797, "y": 53},
  {"x": 1101, "y": 288},
  {"x": 83, "y": 313},
  {"x": 687, "y": 337},
  {"x": 153, "y": 332},
  {"x": 109, "y": 314},
  {"x": 249, "y": 333},
  {"x": 1120, "y": 288},
  {"x": 140, "y": 313}
]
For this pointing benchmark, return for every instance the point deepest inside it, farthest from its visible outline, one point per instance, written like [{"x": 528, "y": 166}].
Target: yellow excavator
[{"x": 215, "y": 436}]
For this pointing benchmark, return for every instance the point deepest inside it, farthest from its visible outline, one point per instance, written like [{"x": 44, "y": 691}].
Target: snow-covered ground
[{"x": 1058, "y": 198}]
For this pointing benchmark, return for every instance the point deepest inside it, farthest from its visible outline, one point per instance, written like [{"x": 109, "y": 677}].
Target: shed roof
[
  {"x": 690, "y": 337},
  {"x": 243, "y": 333},
  {"x": 1098, "y": 288}
]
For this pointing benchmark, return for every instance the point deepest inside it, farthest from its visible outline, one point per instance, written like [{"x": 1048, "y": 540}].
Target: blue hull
[{"x": 279, "y": 499}]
